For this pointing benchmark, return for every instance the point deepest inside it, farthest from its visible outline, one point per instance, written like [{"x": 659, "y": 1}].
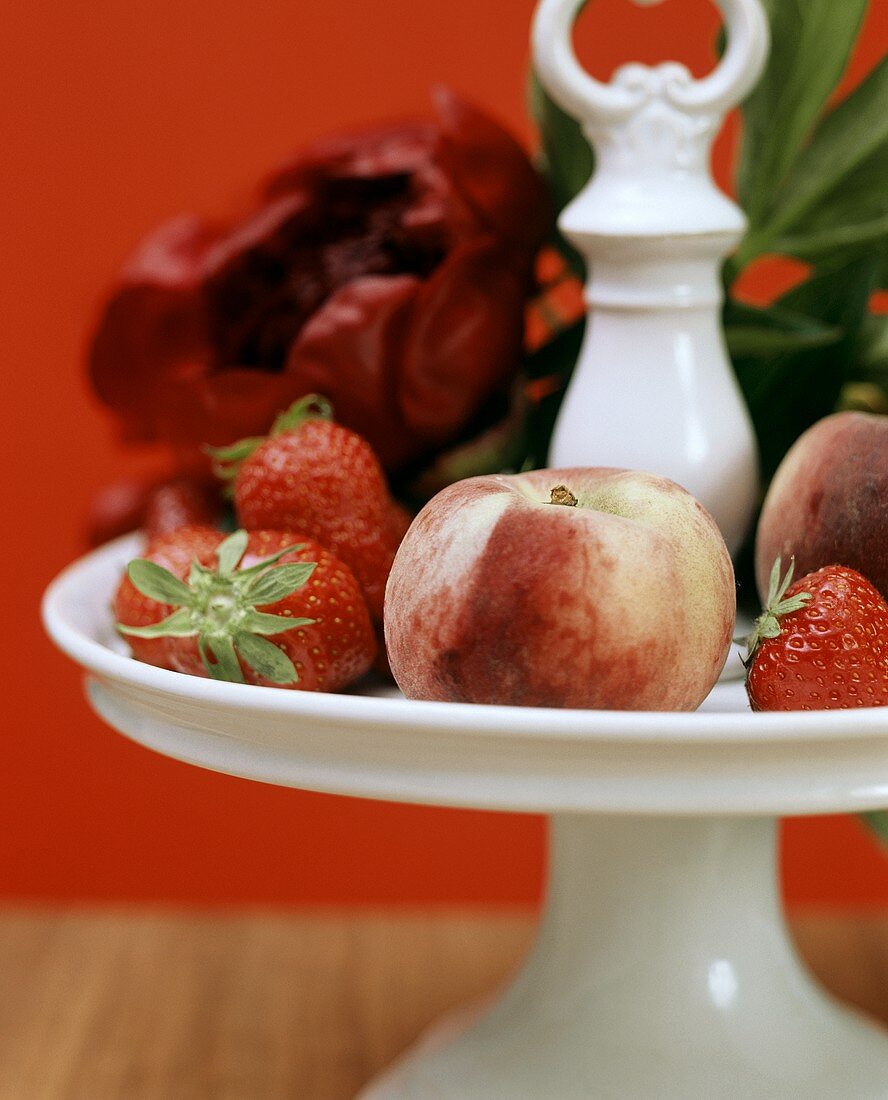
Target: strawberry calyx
[
  {"x": 219, "y": 608},
  {"x": 227, "y": 460},
  {"x": 767, "y": 625}
]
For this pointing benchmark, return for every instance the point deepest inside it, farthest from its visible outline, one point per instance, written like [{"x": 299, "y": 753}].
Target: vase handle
[{"x": 590, "y": 101}]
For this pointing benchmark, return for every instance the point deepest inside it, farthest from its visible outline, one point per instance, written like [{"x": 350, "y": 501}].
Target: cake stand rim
[{"x": 90, "y": 580}]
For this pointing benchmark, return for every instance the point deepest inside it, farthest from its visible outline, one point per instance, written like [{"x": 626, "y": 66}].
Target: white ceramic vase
[{"x": 653, "y": 388}]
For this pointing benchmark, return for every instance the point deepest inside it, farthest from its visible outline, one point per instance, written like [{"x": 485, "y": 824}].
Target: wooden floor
[{"x": 165, "y": 1007}]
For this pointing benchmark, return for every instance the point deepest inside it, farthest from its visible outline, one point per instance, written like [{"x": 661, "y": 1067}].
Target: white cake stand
[{"x": 662, "y": 966}]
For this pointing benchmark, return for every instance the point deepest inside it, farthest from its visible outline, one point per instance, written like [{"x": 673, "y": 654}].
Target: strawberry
[
  {"x": 821, "y": 643},
  {"x": 156, "y": 506},
  {"x": 174, "y": 552},
  {"x": 181, "y": 502},
  {"x": 313, "y": 476},
  {"x": 207, "y": 605}
]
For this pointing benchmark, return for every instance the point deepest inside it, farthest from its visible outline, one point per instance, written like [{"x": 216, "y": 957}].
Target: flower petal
[
  {"x": 153, "y": 324},
  {"x": 464, "y": 342},
  {"x": 350, "y": 351},
  {"x": 383, "y": 268},
  {"x": 365, "y": 153},
  {"x": 214, "y": 409},
  {"x": 492, "y": 172}
]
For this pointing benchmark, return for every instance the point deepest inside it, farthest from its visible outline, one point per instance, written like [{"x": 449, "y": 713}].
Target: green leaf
[
  {"x": 311, "y": 407},
  {"x": 852, "y": 217},
  {"x": 157, "y": 583},
  {"x": 815, "y": 244},
  {"x": 236, "y": 452},
  {"x": 278, "y": 583},
  {"x": 227, "y": 460},
  {"x": 220, "y": 659},
  {"x": 260, "y": 622},
  {"x": 867, "y": 387},
  {"x": 198, "y": 572},
  {"x": 788, "y": 391},
  {"x": 811, "y": 41},
  {"x": 566, "y": 155},
  {"x": 844, "y": 151},
  {"x": 760, "y": 341},
  {"x": 178, "y": 625},
  {"x": 265, "y": 658},
  {"x": 864, "y": 397},
  {"x": 871, "y": 360},
  {"x": 265, "y": 563},
  {"x": 231, "y": 551},
  {"x": 552, "y": 366},
  {"x": 763, "y": 333},
  {"x": 767, "y": 625},
  {"x": 878, "y": 822}
]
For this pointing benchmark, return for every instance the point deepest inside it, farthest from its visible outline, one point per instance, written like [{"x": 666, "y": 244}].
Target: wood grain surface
[{"x": 136, "y": 1006}]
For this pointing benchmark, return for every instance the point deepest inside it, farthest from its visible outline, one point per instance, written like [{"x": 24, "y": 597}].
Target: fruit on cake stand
[{"x": 662, "y": 967}]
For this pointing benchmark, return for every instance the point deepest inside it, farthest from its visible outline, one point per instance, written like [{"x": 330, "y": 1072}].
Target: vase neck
[{"x": 645, "y": 275}]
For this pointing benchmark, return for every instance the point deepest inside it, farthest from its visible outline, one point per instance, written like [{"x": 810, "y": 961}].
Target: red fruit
[
  {"x": 399, "y": 520},
  {"x": 252, "y": 607},
  {"x": 174, "y": 552},
  {"x": 116, "y": 509},
  {"x": 821, "y": 644},
  {"x": 181, "y": 502},
  {"x": 156, "y": 506},
  {"x": 313, "y": 476}
]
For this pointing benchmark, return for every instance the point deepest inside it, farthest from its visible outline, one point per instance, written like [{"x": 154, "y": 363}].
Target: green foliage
[
  {"x": 833, "y": 193},
  {"x": 565, "y": 157},
  {"x": 810, "y": 44},
  {"x": 812, "y": 176},
  {"x": 789, "y": 389},
  {"x": 554, "y": 360},
  {"x": 871, "y": 360},
  {"x": 878, "y": 822}
]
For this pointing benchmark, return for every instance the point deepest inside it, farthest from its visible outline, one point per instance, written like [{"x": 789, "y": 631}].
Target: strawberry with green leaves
[
  {"x": 314, "y": 476},
  {"x": 820, "y": 644},
  {"x": 261, "y": 607},
  {"x": 175, "y": 552}
]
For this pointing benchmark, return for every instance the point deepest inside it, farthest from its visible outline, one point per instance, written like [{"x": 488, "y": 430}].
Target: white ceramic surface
[
  {"x": 723, "y": 759},
  {"x": 662, "y": 971},
  {"x": 653, "y": 388},
  {"x": 662, "y": 968}
]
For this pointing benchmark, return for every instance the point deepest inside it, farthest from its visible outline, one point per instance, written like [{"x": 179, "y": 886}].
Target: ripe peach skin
[
  {"x": 625, "y": 601},
  {"x": 828, "y": 502}
]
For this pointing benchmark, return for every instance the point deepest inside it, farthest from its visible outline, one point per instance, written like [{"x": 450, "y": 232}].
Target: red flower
[{"x": 386, "y": 269}]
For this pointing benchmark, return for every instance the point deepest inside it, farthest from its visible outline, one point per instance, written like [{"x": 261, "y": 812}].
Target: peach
[
  {"x": 592, "y": 588},
  {"x": 828, "y": 502}
]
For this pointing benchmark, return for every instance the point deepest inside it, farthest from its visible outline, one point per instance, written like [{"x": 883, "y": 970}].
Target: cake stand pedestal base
[{"x": 662, "y": 969}]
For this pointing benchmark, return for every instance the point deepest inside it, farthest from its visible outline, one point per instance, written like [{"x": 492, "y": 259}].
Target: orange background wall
[{"x": 118, "y": 114}]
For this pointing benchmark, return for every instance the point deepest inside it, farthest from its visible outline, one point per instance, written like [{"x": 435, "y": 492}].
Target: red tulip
[{"x": 387, "y": 269}]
